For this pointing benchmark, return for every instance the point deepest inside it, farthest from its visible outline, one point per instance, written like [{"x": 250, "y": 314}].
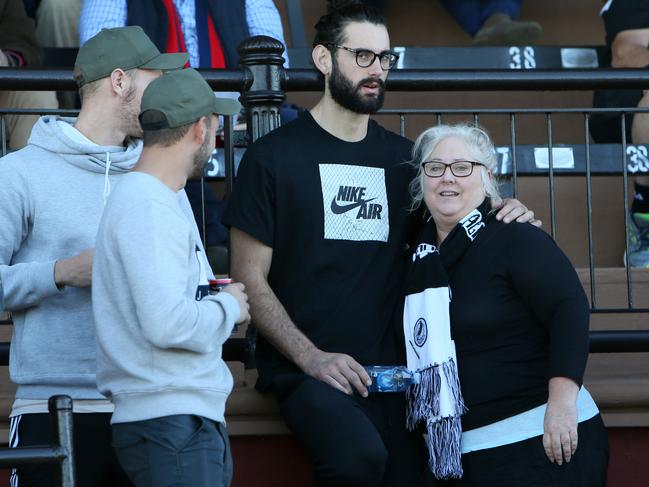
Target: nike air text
[{"x": 354, "y": 195}]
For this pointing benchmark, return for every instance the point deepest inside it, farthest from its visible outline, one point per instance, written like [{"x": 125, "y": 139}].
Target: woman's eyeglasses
[{"x": 460, "y": 169}]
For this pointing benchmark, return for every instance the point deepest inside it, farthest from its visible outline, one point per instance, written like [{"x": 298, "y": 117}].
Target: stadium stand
[{"x": 584, "y": 214}]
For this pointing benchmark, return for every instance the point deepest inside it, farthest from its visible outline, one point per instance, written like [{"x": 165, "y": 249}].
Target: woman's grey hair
[{"x": 479, "y": 144}]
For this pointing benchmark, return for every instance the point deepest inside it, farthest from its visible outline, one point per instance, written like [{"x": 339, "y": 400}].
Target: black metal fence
[
  {"x": 59, "y": 452},
  {"x": 263, "y": 84}
]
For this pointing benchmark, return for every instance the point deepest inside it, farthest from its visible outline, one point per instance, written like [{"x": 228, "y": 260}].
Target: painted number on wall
[
  {"x": 522, "y": 58},
  {"x": 638, "y": 158}
]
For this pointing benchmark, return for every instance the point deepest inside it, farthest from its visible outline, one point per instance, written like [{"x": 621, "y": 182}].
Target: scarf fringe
[
  {"x": 453, "y": 381},
  {"x": 445, "y": 455},
  {"x": 423, "y": 398},
  {"x": 444, "y": 434}
]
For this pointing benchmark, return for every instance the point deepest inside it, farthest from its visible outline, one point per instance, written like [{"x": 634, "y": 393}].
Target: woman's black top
[{"x": 519, "y": 316}]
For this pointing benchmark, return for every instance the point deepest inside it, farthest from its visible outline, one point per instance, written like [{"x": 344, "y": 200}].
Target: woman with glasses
[{"x": 496, "y": 324}]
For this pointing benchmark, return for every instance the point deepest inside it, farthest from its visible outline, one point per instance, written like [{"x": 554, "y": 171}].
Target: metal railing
[
  {"x": 263, "y": 83},
  {"x": 61, "y": 450},
  {"x": 612, "y": 160}
]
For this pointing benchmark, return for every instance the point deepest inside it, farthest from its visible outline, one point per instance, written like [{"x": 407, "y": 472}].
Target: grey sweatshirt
[
  {"x": 158, "y": 343},
  {"x": 51, "y": 201}
]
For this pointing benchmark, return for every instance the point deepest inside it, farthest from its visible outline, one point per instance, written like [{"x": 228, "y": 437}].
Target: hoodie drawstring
[{"x": 106, "y": 180}]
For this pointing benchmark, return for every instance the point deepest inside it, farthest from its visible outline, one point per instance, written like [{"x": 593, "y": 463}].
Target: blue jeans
[
  {"x": 181, "y": 450},
  {"x": 471, "y": 14}
]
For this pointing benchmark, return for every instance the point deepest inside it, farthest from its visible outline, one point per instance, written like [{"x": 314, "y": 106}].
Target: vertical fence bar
[
  {"x": 512, "y": 127},
  {"x": 60, "y": 408},
  {"x": 203, "y": 223},
  {"x": 553, "y": 217},
  {"x": 625, "y": 189},
  {"x": 3, "y": 134},
  {"x": 402, "y": 124},
  {"x": 228, "y": 152},
  {"x": 228, "y": 160},
  {"x": 589, "y": 213}
]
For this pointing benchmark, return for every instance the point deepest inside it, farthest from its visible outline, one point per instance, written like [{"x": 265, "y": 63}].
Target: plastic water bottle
[{"x": 390, "y": 378}]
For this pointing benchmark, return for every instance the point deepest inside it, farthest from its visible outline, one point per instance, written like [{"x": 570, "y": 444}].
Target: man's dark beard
[{"x": 348, "y": 96}]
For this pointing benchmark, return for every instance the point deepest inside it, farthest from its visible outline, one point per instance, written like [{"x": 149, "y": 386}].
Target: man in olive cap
[
  {"x": 56, "y": 188},
  {"x": 159, "y": 333}
]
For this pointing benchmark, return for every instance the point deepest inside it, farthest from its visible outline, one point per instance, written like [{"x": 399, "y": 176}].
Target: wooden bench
[{"x": 619, "y": 382}]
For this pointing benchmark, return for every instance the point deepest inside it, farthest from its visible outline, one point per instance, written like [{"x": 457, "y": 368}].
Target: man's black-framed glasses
[
  {"x": 460, "y": 169},
  {"x": 365, "y": 58}
]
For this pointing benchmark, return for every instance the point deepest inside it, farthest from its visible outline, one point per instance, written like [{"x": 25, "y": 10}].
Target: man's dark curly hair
[{"x": 330, "y": 27}]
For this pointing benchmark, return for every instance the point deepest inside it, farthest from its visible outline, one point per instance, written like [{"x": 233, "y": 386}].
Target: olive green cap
[
  {"x": 124, "y": 48},
  {"x": 181, "y": 97}
]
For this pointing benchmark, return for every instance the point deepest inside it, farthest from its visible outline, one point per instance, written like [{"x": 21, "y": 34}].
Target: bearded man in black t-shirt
[{"x": 319, "y": 222}]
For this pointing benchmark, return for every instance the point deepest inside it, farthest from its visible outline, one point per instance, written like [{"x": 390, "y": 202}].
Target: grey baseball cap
[
  {"x": 182, "y": 97},
  {"x": 124, "y": 48}
]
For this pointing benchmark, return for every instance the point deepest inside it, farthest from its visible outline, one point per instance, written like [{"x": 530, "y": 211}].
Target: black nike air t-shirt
[{"x": 336, "y": 215}]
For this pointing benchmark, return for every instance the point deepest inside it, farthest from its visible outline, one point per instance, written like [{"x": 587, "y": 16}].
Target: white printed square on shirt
[{"x": 355, "y": 202}]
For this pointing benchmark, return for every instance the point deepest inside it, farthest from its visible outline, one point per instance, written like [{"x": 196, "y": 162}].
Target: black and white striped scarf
[{"x": 436, "y": 401}]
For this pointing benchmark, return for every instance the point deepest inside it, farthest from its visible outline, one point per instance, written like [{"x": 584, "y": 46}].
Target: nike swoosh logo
[{"x": 338, "y": 209}]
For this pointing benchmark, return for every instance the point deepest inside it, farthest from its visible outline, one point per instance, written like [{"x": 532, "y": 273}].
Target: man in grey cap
[
  {"x": 159, "y": 334},
  {"x": 56, "y": 189}
]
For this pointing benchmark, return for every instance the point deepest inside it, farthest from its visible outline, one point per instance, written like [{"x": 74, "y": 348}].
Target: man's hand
[
  {"x": 75, "y": 271},
  {"x": 338, "y": 370},
  {"x": 511, "y": 209},
  {"x": 237, "y": 290}
]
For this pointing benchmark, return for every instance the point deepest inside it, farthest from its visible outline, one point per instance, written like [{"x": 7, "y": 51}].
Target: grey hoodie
[{"x": 52, "y": 199}]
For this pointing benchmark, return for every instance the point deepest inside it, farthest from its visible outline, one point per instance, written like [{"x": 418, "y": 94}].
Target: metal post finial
[{"x": 262, "y": 56}]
